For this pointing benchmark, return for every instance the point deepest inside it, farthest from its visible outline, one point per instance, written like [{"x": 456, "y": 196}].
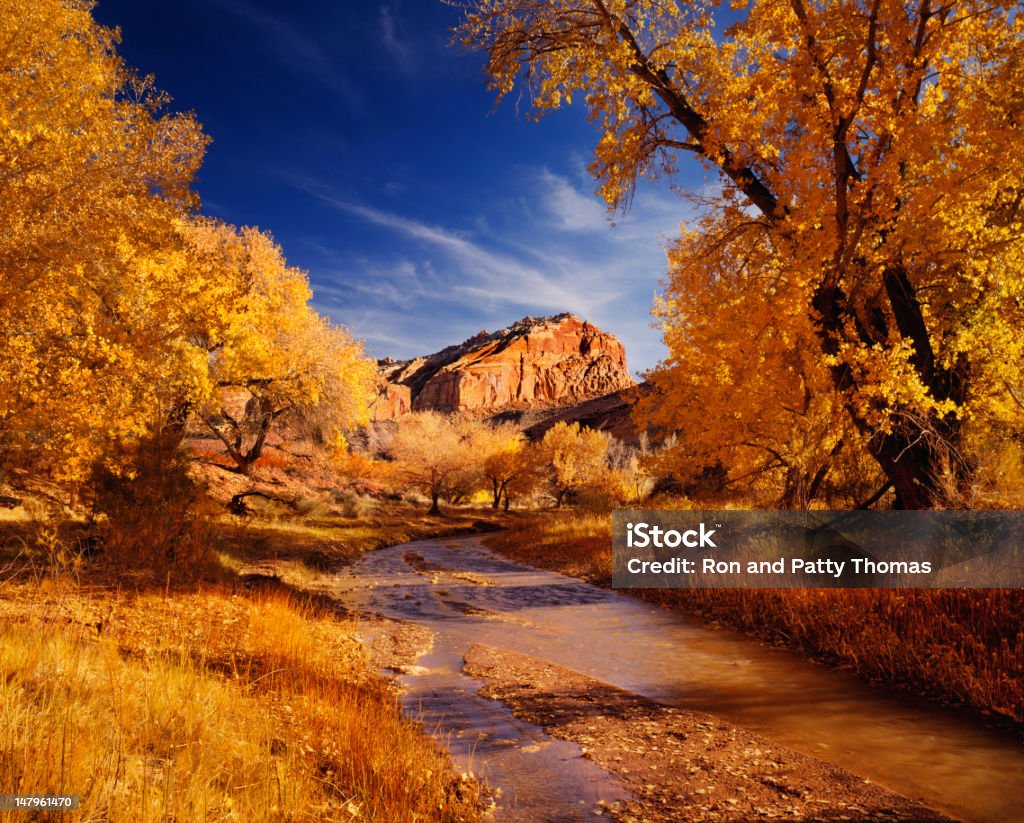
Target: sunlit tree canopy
[{"x": 868, "y": 151}]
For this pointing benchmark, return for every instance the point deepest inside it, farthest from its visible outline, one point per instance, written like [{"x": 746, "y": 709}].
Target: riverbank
[
  {"x": 243, "y": 694},
  {"x": 682, "y": 765},
  {"x": 459, "y": 594},
  {"x": 962, "y": 647},
  {"x": 151, "y": 687}
]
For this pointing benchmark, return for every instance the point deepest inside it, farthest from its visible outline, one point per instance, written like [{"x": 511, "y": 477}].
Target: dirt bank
[{"x": 681, "y": 765}]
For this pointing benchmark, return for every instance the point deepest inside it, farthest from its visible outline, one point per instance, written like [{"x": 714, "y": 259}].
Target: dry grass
[
  {"x": 570, "y": 541},
  {"x": 328, "y": 541},
  {"x": 183, "y": 700},
  {"x": 962, "y": 646},
  {"x": 206, "y": 706}
]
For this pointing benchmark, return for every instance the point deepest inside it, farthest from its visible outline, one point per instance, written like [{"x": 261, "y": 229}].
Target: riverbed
[{"x": 465, "y": 595}]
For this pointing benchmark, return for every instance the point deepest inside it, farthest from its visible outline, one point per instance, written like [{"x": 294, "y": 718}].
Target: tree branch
[{"x": 661, "y": 84}]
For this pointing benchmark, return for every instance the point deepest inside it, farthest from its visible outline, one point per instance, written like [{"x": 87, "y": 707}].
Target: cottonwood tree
[
  {"x": 630, "y": 480},
  {"x": 433, "y": 451},
  {"x": 502, "y": 449},
  {"x": 266, "y": 345},
  {"x": 513, "y": 468},
  {"x": 121, "y": 312},
  {"x": 93, "y": 177},
  {"x": 759, "y": 403},
  {"x": 872, "y": 145},
  {"x": 574, "y": 456},
  {"x": 530, "y": 474}
]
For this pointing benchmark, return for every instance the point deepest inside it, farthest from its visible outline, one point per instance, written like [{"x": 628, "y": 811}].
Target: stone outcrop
[
  {"x": 611, "y": 413},
  {"x": 545, "y": 361}
]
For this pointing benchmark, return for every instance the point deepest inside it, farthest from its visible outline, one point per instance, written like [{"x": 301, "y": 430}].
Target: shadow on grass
[
  {"x": 249, "y": 552},
  {"x": 325, "y": 544}
]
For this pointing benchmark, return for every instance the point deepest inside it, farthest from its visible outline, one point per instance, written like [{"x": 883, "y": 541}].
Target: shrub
[
  {"x": 153, "y": 515},
  {"x": 354, "y": 505},
  {"x": 310, "y": 507}
]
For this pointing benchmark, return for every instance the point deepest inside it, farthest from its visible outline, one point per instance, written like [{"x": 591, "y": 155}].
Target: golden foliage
[
  {"x": 863, "y": 149},
  {"x": 576, "y": 457},
  {"x": 434, "y": 452},
  {"x": 261, "y": 337},
  {"x": 92, "y": 176},
  {"x": 120, "y": 311},
  {"x": 510, "y": 466},
  {"x": 758, "y": 402}
]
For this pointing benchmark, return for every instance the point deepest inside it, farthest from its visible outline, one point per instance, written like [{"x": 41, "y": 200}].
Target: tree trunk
[
  {"x": 237, "y": 503},
  {"x": 435, "y": 496},
  {"x": 265, "y": 415},
  {"x": 799, "y": 489},
  {"x": 922, "y": 448},
  {"x": 791, "y": 489},
  {"x": 914, "y": 461},
  {"x": 822, "y": 473},
  {"x": 176, "y": 424},
  {"x": 259, "y": 413}
]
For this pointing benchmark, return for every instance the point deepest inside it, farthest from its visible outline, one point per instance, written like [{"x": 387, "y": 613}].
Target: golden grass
[
  {"x": 569, "y": 541},
  {"x": 328, "y": 541},
  {"x": 177, "y": 702},
  {"x": 958, "y": 645},
  {"x": 206, "y": 706}
]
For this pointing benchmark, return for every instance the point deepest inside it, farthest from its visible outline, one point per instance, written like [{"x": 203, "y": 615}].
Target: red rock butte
[{"x": 547, "y": 361}]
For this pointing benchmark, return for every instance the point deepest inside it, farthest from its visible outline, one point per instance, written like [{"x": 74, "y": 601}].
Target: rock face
[
  {"x": 611, "y": 413},
  {"x": 536, "y": 362}
]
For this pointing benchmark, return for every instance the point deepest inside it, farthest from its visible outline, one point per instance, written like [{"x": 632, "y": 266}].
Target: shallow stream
[{"x": 466, "y": 594}]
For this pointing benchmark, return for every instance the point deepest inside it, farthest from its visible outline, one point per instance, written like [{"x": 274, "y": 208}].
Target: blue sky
[{"x": 375, "y": 155}]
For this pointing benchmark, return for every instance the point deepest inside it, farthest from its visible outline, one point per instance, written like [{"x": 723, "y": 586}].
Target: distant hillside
[
  {"x": 534, "y": 363},
  {"x": 612, "y": 413}
]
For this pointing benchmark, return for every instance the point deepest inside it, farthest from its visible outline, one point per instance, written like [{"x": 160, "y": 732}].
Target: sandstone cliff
[{"x": 544, "y": 361}]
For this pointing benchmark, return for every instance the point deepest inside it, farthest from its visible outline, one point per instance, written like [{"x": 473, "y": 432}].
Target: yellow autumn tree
[
  {"x": 501, "y": 452},
  {"x": 758, "y": 407},
  {"x": 575, "y": 457},
  {"x": 528, "y": 473},
  {"x": 271, "y": 357},
  {"x": 433, "y": 452},
  {"x": 122, "y": 313},
  {"x": 93, "y": 176},
  {"x": 511, "y": 467},
  {"x": 873, "y": 143}
]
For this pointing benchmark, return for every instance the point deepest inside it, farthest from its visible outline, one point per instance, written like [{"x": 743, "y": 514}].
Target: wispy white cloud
[
  {"x": 386, "y": 332},
  {"x": 437, "y": 284},
  {"x": 489, "y": 275},
  {"x": 399, "y": 284},
  {"x": 568, "y": 207},
  {"x": 398, "y": 48},
  {"x": 572, "y": 205}
]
